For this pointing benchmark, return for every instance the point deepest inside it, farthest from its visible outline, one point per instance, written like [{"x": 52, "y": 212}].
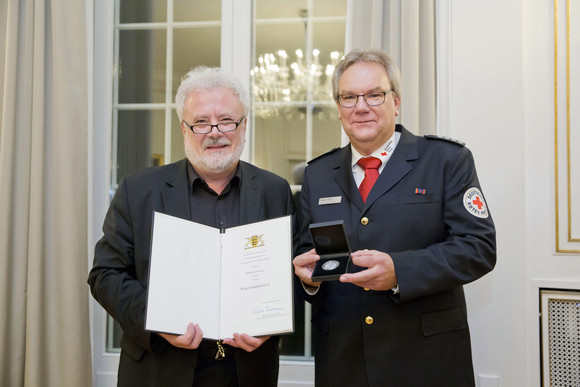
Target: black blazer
[
  {"x": 118, "y": 279},
  {"x": 420, "y": 336}
]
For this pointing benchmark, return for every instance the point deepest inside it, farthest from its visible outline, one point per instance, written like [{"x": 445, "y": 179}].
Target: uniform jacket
[
  {"x": 415, "y": 212},
  {"x": 118, "y": 279}
]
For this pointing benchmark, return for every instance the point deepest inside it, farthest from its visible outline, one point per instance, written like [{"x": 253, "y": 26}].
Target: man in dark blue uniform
[{"x": 418, "y": 234}]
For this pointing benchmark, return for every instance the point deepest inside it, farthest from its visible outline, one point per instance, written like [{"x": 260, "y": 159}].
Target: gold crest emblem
[{"x": 254, "y": 241}]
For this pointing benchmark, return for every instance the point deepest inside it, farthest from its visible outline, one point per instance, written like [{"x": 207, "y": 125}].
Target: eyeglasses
[
  {"x": 224, "y": 127},
  {"x": 372, "y": 99}
]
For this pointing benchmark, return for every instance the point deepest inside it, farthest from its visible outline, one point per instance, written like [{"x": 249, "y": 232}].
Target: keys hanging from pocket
[{"x": 221, "y": 353}]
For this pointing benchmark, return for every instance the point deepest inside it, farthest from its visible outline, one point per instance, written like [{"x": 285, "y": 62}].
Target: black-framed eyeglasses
[
  {"x": 224, "y": 126},
  {"x": 372, "y": 99}
]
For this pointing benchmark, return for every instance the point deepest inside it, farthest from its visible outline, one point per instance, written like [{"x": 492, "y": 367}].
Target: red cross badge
[
  {"x": 383, "y": 153},
  {"x": 474, "y": 203}
]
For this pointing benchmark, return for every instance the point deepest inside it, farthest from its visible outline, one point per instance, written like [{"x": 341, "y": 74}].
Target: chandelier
[{"x": 277, "y": 87}]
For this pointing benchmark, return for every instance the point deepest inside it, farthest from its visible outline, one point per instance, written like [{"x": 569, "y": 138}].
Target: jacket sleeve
[
  {"x": 467, "y": 252},
  {"x": 113, "y": 279}
]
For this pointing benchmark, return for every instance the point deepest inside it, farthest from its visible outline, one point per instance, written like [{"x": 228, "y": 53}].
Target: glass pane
[
  {"x": 143, "y": 11},
  {"x": 142, "y": 66},
  {"x": 198, "y": 10},
  {"x": 330, "y": 8},
  {"x": 280, "y": 142},
  {"x": 277, "y": 63},
  {"x": 114, "y": 332},
  {"x": 177, "y": 148},
  {"x": 140, "y": 140},
  {"x": 329, "y": 41},
  {"x": 280, "y": 8},
  {"x": 289, "y": 74},
  {"x": 293, "y": 344},
  {"x": 193, "y": 47}
]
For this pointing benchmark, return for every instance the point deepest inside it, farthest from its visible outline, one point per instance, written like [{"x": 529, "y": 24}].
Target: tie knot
[{"x": 369, "y": 163}]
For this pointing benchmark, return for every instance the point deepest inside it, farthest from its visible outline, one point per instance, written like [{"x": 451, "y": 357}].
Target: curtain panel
[
  {"x": 44, "y": 315},
  {"x": 405, "y": 30}
]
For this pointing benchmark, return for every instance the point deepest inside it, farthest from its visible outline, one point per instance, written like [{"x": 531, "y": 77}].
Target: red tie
[{"x": 371, "y": 166}]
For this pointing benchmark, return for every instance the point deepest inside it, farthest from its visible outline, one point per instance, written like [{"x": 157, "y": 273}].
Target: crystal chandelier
[{"x": 278, "y": 87}]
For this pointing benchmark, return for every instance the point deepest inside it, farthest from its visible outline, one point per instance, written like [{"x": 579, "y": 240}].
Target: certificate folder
[
  {"x": 237, "y": 280},
  {"x": 331, "y": 244}
]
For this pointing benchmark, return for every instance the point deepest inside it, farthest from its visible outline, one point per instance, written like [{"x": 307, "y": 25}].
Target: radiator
[{"x": 560, "y": 327}]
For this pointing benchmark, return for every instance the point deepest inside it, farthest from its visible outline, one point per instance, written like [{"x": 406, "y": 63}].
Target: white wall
[
  {"x": 488, "y": 114},
  {"x": 502, "y": 106},
  {"x": 545, "y": 268}
]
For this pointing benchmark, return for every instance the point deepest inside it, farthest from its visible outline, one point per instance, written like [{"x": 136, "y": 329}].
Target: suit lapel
[
  {"x": 250, "y": 195},
  {"x": 175, "y": 193},
  {"x": 397, "y": 167},
  {"x": 344, "y": 179}
]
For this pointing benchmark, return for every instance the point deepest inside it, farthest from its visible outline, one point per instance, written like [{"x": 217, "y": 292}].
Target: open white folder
[{"x": 238, "y": 280}]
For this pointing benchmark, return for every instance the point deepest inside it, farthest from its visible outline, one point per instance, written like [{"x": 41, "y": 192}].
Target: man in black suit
[
  {"x": 419, "y": 233},
  {"x": 213, "y": 187}
]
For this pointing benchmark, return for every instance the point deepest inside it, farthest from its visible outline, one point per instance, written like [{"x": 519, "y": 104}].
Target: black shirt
[{"x": 210, "y": 208}]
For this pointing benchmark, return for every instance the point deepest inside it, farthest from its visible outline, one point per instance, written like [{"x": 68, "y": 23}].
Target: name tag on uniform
[{"x": 329, "y": 200}]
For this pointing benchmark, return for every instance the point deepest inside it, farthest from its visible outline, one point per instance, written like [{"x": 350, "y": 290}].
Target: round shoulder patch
[{"x": 474, "y": 203}]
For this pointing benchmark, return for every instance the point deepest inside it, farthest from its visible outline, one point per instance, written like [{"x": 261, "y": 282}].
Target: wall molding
[{"x": 566, "y": 131}]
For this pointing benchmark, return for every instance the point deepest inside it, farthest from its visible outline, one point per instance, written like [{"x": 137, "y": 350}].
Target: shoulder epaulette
[
  {"x": 449, "y": 139},
  {"x": 324, "y": 154}
]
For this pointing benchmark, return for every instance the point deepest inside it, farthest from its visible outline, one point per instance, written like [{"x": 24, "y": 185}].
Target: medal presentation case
[{"x": 331, "y": 244}]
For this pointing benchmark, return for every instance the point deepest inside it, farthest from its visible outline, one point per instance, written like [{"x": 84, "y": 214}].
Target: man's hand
[
  {"x": 189, "y": 340},
  {"x": 304, "y": 265},
  {"x": 245, "y": 342},
  {"x": 380, "y": 274}
]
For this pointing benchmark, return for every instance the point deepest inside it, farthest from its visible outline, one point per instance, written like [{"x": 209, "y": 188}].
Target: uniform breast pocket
[
  {"x": 418, "y": 199},
  {"x": 416, "y": 211}
]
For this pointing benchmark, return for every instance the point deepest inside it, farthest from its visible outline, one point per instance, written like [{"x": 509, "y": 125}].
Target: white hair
[{"x": 203, "y": 77}]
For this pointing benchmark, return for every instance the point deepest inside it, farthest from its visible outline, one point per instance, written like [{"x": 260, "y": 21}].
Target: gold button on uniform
[
  {"x": 366, "y": 289},
  {"x": 369, "y": 320},
  {"x": 364, "y": 221}
]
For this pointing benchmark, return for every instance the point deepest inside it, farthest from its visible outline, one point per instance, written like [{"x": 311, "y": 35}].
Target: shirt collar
[
  {"x": 383, "y": 153},
  {"x": 193, "y": 177}
]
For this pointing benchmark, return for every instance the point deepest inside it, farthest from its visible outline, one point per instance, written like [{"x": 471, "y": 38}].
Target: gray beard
[{"x": 218, "y": 162}]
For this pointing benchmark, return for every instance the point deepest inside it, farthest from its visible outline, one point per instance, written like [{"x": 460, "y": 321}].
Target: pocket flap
[
  {"x": 441, "y": 321},
  {"x": 131, "y": 348}
]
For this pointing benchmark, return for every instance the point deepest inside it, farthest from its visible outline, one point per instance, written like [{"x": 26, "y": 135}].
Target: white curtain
[
  {"x": 44, "y": 318},
  {"x": 404, "y": 29}
]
